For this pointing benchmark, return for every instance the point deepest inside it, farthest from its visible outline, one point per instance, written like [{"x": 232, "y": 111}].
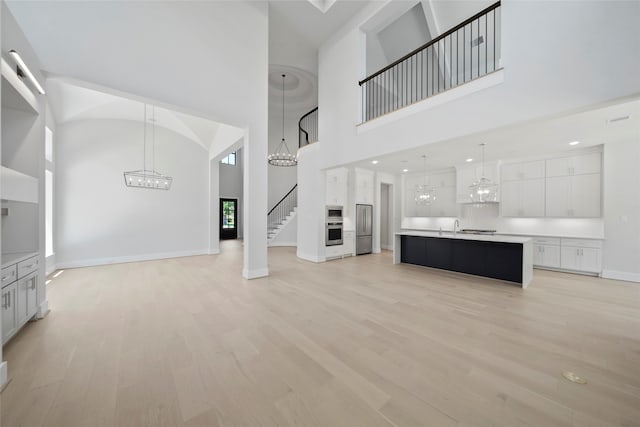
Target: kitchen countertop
[
  {"x": 502, "y": 233},
  {"x": 464, "y": 236},
  {"x": 10, "y": 258}
]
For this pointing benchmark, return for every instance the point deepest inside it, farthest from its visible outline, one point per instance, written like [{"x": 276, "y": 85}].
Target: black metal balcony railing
[
  {"x": 277, "y": 215},
  {"x": 308, "y": 128},
  {"x": 467, "y": 51}
]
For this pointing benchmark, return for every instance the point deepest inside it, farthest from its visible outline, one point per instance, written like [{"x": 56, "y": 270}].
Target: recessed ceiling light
[
  {"x": 469, "y": 160},
  {"x": 375, "y": 162},
  {"x": 574, "y": 143},
  {"x": 405, "y": 170}
]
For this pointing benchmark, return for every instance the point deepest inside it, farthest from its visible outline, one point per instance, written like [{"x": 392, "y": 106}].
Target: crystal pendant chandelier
[
  {"x": 425, "y": 194},
  {"x": 483, "y": 190},
  {"x": 145, "y": 178},
  {"x": 282, "y": 156}
]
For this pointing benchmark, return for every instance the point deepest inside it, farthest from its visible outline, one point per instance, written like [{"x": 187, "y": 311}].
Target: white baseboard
[
  {"x": 3, "y": 374},
  {"x": 312, "y": 258},
  {"x": 132, "y": 258},
  {"x": 214, "y": 251},
  {"x": 43, "y": 309},
  {"x": 387, "y": 247},
  {"x": 276, "y": 244},
  {"x": 621, "y": 275},
  {"x": 255, "y": 274}
]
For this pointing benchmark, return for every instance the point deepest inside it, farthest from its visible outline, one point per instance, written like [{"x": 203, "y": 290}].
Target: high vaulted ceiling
[{"x": 71, "y": 101}]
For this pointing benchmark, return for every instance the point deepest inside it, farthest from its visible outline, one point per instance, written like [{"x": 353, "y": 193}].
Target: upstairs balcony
[{"x": 466, "y": 52}]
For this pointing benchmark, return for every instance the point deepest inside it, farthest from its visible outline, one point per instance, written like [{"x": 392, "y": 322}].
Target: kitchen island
[{"x": 501, "y": 257}]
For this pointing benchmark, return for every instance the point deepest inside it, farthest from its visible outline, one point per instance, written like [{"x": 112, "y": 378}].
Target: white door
[
  {"x": 570, "y": 258},
  {"x": 8, "y": 304},
  {"x": 558, "y": 167},
  {"x": 590, "y": 260},
  {"x": 586, "y": 164},
  {"x": 551, "y": 256},
  {"x": 21, "y": 300}
]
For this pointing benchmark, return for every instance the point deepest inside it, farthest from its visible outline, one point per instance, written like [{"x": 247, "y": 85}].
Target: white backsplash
[{"x": 486, "y": 217}]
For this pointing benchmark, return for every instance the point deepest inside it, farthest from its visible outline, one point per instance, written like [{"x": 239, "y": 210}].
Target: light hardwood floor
[{"x": 354, "y": 342}]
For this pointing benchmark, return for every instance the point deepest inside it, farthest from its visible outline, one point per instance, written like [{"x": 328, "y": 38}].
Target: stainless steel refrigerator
[{"x": 364, "y": 227}]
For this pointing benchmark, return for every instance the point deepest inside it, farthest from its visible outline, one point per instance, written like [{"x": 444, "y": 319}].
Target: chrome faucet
[{"x": 456, "y": 225}]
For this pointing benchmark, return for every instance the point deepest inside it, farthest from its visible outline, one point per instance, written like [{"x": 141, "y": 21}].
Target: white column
[{"x": 255, "y": 200}]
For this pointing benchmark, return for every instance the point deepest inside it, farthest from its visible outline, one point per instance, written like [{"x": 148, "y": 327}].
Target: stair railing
[
  {"x": 282, "y": 209},
  {"x": 466, "y": 52},
  {"x": 308, "y": 128}
]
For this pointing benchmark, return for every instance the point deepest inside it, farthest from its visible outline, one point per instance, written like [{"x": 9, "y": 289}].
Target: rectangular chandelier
[{"x": 147, "y": 179}]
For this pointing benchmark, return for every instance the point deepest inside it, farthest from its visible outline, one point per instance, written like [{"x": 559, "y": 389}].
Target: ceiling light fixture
[
  {"x": 574, "y": 143},
  {"x": 23, "y": 70},
  {"x": 375, "y": 162},
  {"x": 405, "y": 170},
  {"x": 144, "y": 178},
  {"x": 425, "y": 194},
  {"x": 469, "y": 160},
  {"x": 483, "y": 190},
  {"x": 282, "y": 156}
]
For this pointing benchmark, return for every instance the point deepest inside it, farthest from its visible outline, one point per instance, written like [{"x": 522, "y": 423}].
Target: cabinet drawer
[
  {"x": 27, "y": 266},
  {"x": 546, "y": 241},
  {"x": 582, "y": 243},
  {"x": 9, "y": 275}
]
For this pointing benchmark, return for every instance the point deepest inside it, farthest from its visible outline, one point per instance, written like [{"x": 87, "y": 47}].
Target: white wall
[
  {"x": 282, "y": 179},
  {"x": 228, "y": 85},
  {"x": 311, "y": 207},
  {"x": 621, "y": 259},
  {"x": 100, "y": 220},
  {"x": 541, "y": 78},
  {"x": 231, "y": 187}
]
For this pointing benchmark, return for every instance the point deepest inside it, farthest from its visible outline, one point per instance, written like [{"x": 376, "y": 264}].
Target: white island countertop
[{"x": 466, "y": 236}]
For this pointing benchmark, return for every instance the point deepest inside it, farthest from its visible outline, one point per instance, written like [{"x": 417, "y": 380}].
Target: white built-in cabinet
[
  {"x": 546, "y": 252},
  {"x": 523, "y": 189},
  {"x": 336, "y": 187},
  {"x": 581, "y": 255},
  {"x": 467, "y": 175},
  {"x": 365, "y": 185},
  {"x": 19, "y": 301},
  {"x": 573, "y": 186},
  {"x": 565, "y": 187},
  {"x": 349, "y": 242}
]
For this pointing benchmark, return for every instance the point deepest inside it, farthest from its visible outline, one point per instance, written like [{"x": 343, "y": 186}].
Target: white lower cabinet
[
  {"x": 546, "y": 256},
  {"x": 9, "y": 311},
  {"x": 581, "y": 259},
  {"x": 19, "y": 295},
  {"x": 349, "y": 243}
]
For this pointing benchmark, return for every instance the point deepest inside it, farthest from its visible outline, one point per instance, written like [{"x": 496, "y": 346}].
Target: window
[
  {"x": 230, "y": 159},
  {"x": 228, "y": 214}
]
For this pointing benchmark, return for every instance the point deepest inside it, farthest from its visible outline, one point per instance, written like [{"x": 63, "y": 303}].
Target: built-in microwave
[{"x": 334, "y": 213}]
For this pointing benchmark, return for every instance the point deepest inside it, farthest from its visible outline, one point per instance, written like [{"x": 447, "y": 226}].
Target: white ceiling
[
  {"x": 72, "y": 101},
  {"x": 524, "y": 141}
]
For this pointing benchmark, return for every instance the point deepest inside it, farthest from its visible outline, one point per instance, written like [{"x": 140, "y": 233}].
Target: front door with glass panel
[{"x": 228, "y": 219}]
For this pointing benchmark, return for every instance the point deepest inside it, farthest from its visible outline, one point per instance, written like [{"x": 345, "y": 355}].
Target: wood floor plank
[{"x": 188, "y": 342}]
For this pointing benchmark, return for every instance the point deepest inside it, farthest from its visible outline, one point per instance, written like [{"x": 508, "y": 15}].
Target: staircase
[{"x": 282, "y": 214}]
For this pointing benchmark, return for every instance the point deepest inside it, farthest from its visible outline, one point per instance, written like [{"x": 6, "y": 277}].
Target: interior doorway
[
  {"x": 386, "y": 217},
  {"x": 228, "y": 219}
]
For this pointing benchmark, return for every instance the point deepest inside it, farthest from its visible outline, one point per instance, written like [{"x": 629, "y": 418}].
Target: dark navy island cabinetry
[{"x": 499, "y": 257}]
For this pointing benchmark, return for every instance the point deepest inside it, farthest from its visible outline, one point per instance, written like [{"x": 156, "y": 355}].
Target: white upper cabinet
[
  {"x": 525, "y": 198},
  {"x": 574, "y": 196},
  {"x": 336, "y": 187},
  {"x": 520, "y": 171},
  {"x": 365, "y": 184},
  {"x": 589, "y": 163}
]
